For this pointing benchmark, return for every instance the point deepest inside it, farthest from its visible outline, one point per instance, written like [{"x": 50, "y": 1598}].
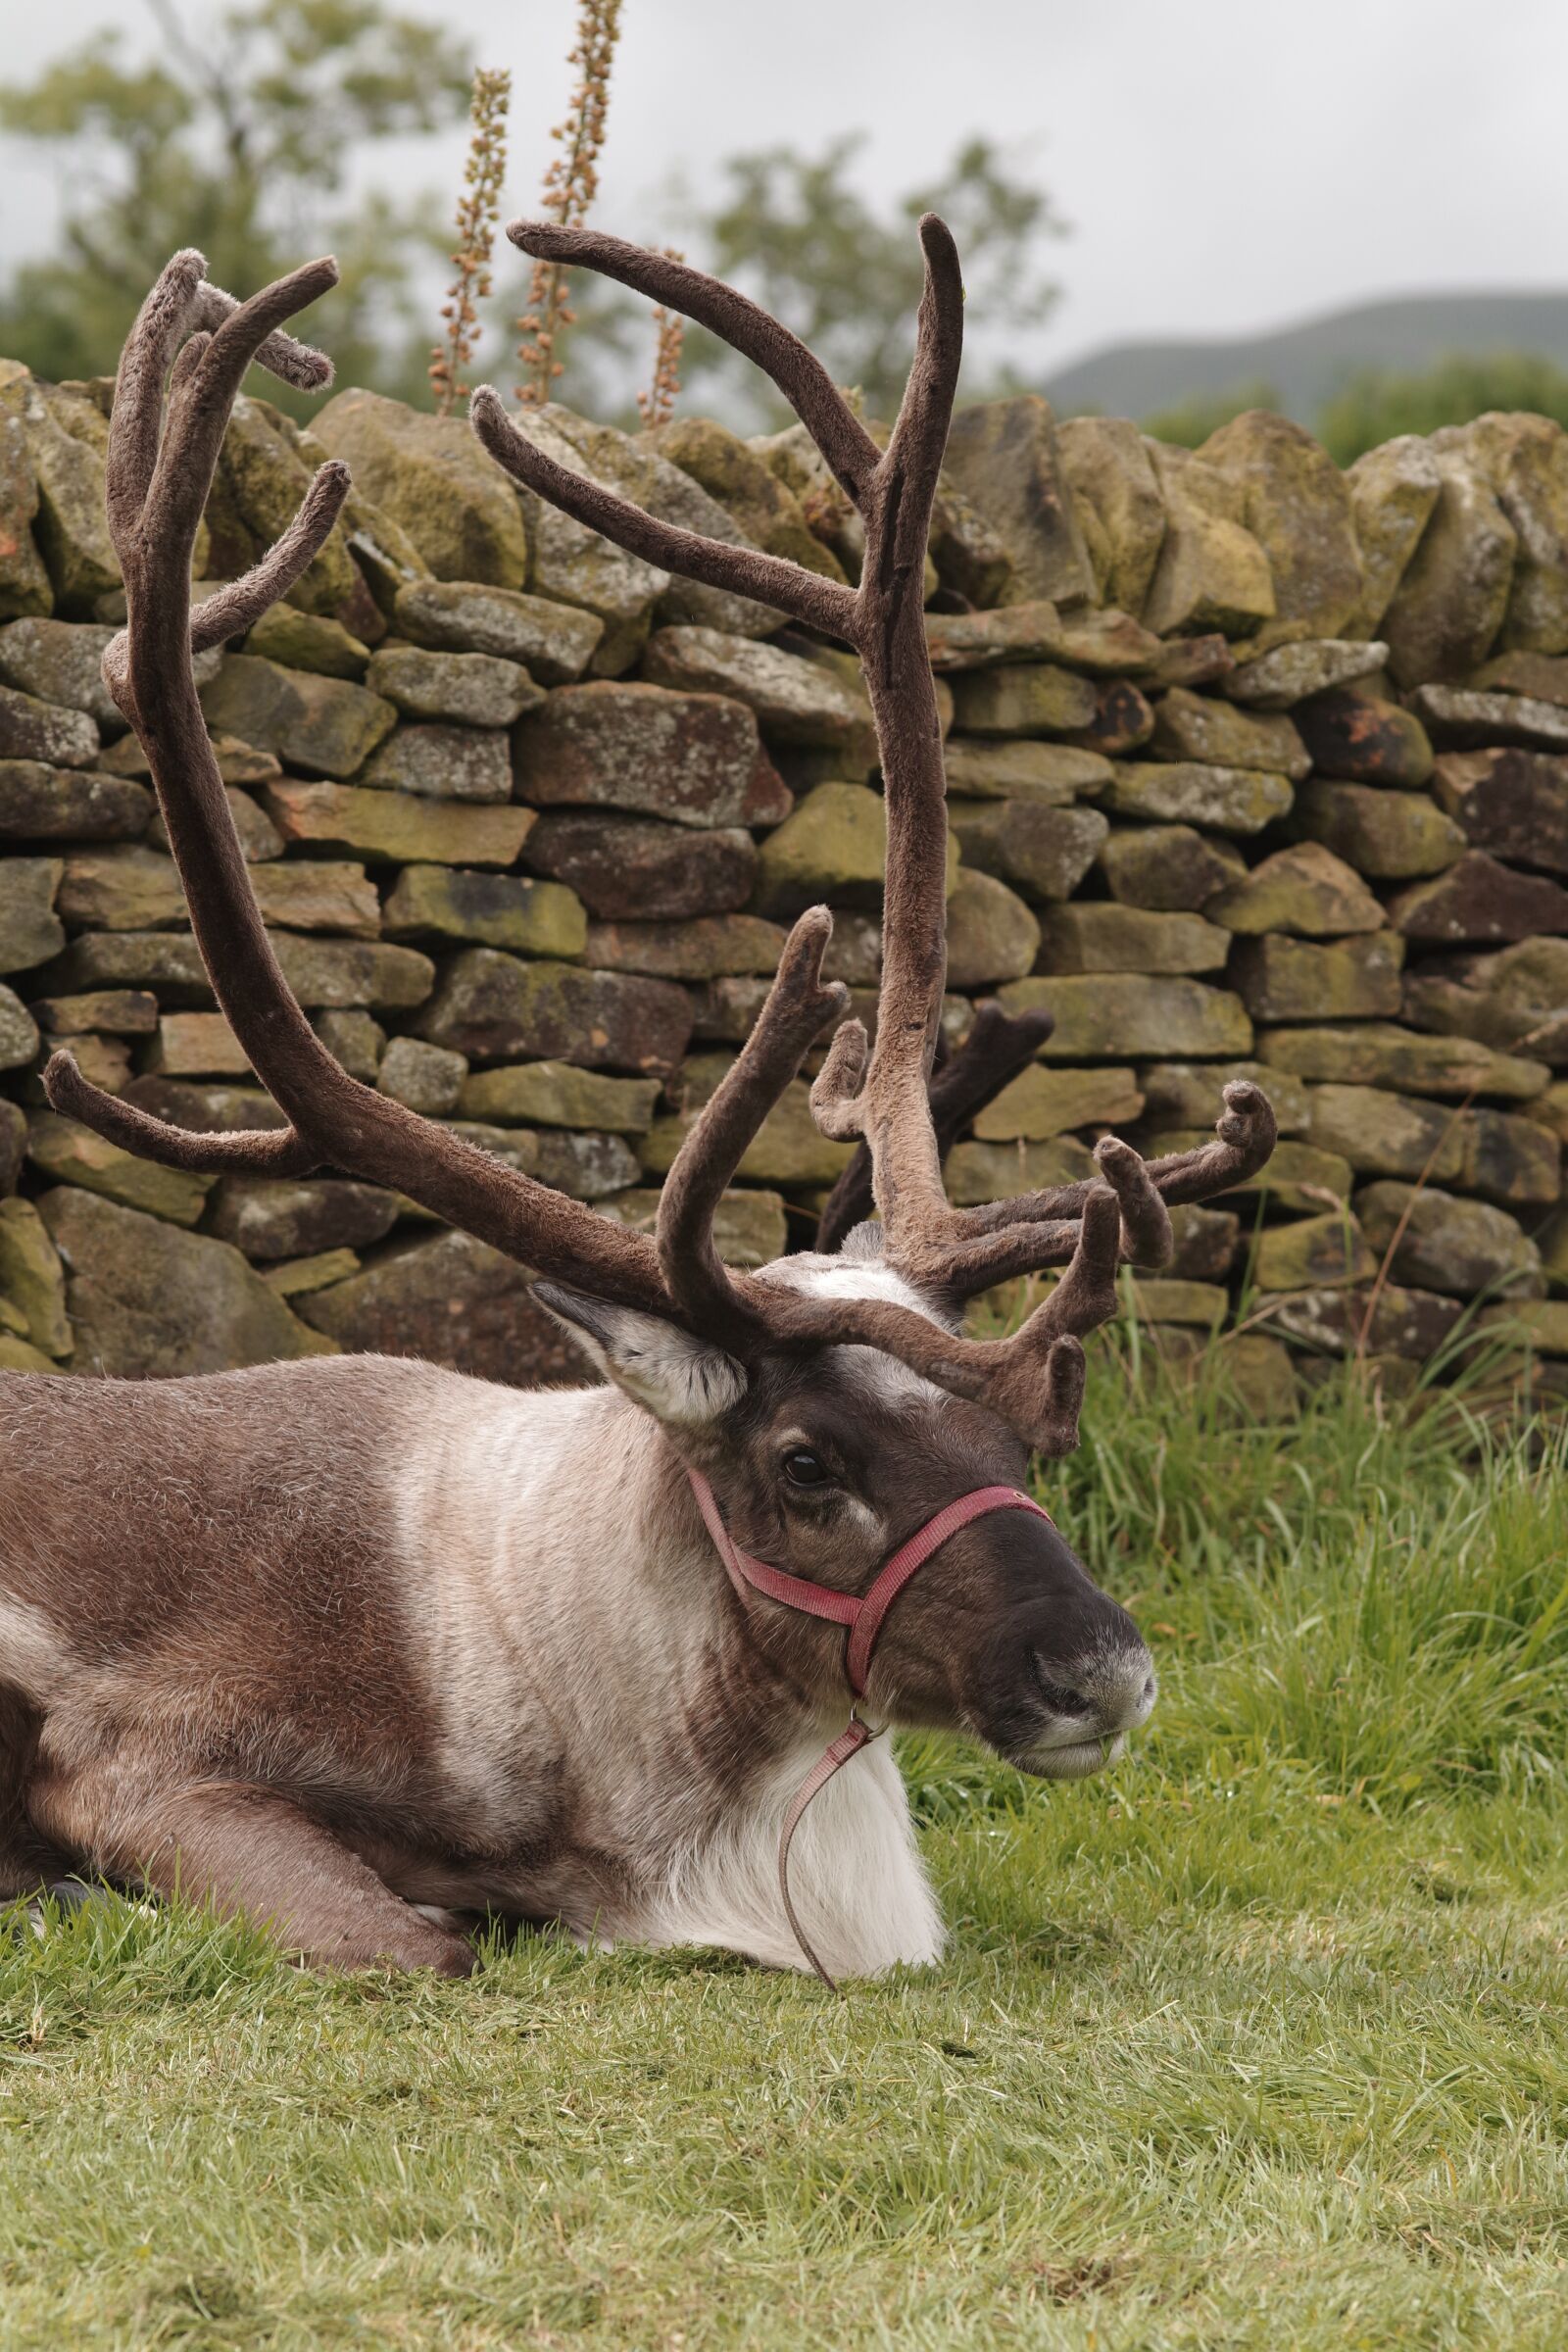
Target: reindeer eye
[{"x": 803, "y": 1468}]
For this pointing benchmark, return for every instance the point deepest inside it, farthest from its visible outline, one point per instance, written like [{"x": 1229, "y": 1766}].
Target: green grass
[{"x": 1262, "y": 2040}]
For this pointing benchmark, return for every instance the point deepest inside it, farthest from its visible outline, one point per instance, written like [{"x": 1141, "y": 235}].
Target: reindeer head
[{"x": 834, "y": 1400}]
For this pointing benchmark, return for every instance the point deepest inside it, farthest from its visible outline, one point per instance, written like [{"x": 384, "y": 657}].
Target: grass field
[{"x": 1262, "y": 2040}]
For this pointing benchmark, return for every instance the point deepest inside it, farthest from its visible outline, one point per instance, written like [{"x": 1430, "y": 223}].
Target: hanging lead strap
[{"x": 861, "y": 1616}]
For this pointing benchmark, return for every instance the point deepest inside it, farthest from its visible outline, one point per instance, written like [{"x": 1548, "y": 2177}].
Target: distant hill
[{"x": 1305, "y": 365}]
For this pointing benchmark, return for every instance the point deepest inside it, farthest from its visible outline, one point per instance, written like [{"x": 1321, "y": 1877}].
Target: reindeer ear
[{"x": 662, "y": 1369}]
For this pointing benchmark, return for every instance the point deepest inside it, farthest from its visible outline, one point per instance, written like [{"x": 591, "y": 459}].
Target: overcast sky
[{"x": 1225, "y": 167}]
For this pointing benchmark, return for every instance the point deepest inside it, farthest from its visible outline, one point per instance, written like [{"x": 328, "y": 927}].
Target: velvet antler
[
  {"x": 159, "y": 471},
  {"x": 886, "y": 1095}
]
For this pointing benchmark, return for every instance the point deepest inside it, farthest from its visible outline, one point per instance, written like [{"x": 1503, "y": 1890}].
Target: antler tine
[
  {"x": 1245, "y": 1134},
  {"x": 884, "y": 1098},
  {"x": 334, "y": 1120},
  {"x": 849, "y": 449},
  {"x": 997, "y": 1047},
  {"x": 744, "y": 571},
  {"x": 798, "y": 1007}
]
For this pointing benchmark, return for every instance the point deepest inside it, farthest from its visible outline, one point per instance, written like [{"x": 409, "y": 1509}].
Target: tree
[
  {"x": 232, "y": 144},
  {"x": 1378, "y": 403},
  {"x": 794, "y": 232}
]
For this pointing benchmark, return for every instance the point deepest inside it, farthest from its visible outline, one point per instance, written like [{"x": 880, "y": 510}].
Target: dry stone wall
[{"x": 1254, "y": 767}]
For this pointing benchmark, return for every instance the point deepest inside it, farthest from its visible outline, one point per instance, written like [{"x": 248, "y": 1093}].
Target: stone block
[
  {"x": 18, "y": 1031},
  {"x": 1219, "y": 734},
  {"x": 689, "y": 758},
  {"x": 1118, "y": 501},
  {"x": 24, "y": 588},
  {"x": 1442, "y": 1243},
  {"x": 1108, "y": 1016},
  {"x": 307, "y": 641},
  {"x": 749, "y": 1228},
  {"x": 197, "y": 1045},
  {"x": 1282, "y": 979},
  {"x": 32, "y": 1280},
  {"x": 322, "y": 726},
  {"x": 1003, "y": 455},
  {"x": 556, "y": 642},
  {"x": 1170, "y": 868},
  {"x": 834, "y": 847},
  {"x": 31, "y": 729},
  {"x": 1388, "y": 835},
  {"x": 1325, "y": 1252},
  {"x": 65, "y": 1153},
  {"x": 491, "y": 1007},
  {"x": 431, "y": 475},
  {"x": 397, "y": 828},
  {"x": 1296, "y": 503},
  {"x": 708, "y": 947},
  {"x": 60, "y": 661},
  {"x": 1191, "y": 1094},
  {"x": 61, "y": 803},
  {"x": 992, "y": 935},
  {"x": 1444, "y": 616},
  {"x": 450, "y": 1299},
  {"x": 794, "y": 700},
  {"x": 1032, "y": 698},
  {"x": 1089, "y": 937},
  {"x": 275, "y": 1217},
  {"x": 1204, "y": 1241},
  {"x": 421, "y": 1077},
  {"x": 1386, "y": 1135},
  {"x": 1211, "y": 573},
  {"x": 1392, "y": 1322},
  {"x": 1380, "y": 1054},
  {"x": 622, "y": 866},
  {"x": 442, "y": 763},
  {"x": 30, "y": 931},
  {"x": 558, "y": 1093},
  {"x": 1043, "y": 852},
  {"x": 147, "y": 1300},
  {"x": 1305, "y": 891},
  {"x": 494, "y": 910},
  {"x": 1510, "y": 1160},
  {"x": 1353, "y": 733},
  {"x": 470, "y": 690},
  {"x": 1040, "y": 1103},
  {"x": 1477, "y": 901},
  {"x": 1511, "y": 804},
  {"x": 789, "y": 1149},
  {"x": 766, "y": 511},
  {"x": 1123, "y": 720},
  {"x": 1393, "y": 491},
  {"x": 1006, "y": 768},
  {"x": 979, "y": 1172},
  {"x": 1233, "y": 800}
]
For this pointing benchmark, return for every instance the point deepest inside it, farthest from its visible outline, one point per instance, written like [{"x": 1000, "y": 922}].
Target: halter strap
[{"x": 862, "y": 1615}]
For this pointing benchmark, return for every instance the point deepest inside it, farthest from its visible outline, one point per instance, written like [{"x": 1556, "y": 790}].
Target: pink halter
[{"x": 862, "y": 1615}]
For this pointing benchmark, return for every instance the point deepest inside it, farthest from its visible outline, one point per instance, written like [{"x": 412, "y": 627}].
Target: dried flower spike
[
  {"x": 478, "y": 211},
  {"x": 570, "y": 185},
  {"x": 656, "y": 405}
]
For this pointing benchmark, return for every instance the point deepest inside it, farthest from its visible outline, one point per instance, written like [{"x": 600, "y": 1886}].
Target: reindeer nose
[{"x": 1109, "y": 1693}]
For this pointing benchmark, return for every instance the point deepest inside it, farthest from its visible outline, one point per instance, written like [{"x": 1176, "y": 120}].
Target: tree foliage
[
  {"x": 846, "y": 275},
  {"x": 231, "y": 143},
  {"x": 1378, "y": 403}
]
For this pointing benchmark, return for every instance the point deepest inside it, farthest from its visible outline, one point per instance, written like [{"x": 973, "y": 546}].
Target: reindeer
[{"x": 361, "y": 1648}]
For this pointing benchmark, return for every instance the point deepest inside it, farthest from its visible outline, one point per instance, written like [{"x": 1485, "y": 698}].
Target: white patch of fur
[
  {"x": 856, "y": 1876},
  {"x": 883, "y": 1377},
  {"x": 35, "y": 1655}
]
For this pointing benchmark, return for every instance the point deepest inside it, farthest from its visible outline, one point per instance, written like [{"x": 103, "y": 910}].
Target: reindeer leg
[{"x": 248, "y": 1850}]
